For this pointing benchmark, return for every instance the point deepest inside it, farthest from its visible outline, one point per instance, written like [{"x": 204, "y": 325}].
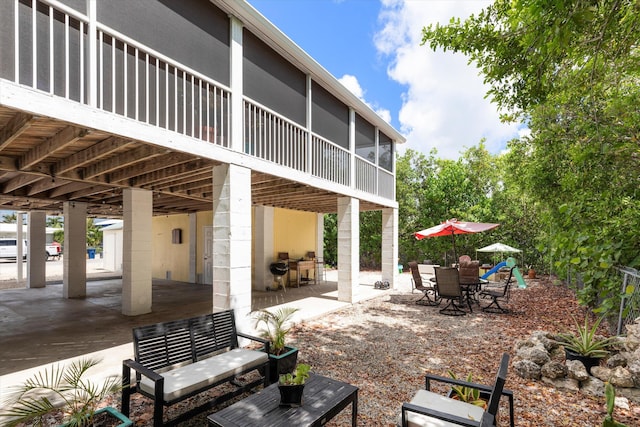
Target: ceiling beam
[
  {"x": 14, "y": 128},
  {"x": 88, "y": 155},
  {"x": 68, "y": 135}
]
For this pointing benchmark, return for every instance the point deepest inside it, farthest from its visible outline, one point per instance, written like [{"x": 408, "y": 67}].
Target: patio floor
[{"x": 38, "y": 326}]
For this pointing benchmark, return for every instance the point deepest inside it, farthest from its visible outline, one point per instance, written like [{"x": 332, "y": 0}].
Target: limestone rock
[
  {"x": 563, "y": 383},
  {"x": 544, "y": 338},
  {"x": 554, "y": 370},
  {"x": 601, "y": 373},
  {"x": 593, "y": 387},
  {"x": 527, "y": 369},
  {"x": 576, "y": 370},
  {"x": 617, "y": 360},
  {"x": 537, "y": 354},
  {"x": 621, "y": 377}
]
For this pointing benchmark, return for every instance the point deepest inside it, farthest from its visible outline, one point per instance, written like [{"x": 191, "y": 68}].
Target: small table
[
  {"x": 299, "y": 267},
  {"x": 323, "y": 399}
]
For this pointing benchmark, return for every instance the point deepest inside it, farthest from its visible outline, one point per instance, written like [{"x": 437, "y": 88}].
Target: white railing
[
  {"x": 386, "y": 184},
  {"x": 330, "y": 161},
  {"x": 57, "y": 51},
  {"x": 142, "y": 84},
  {"x": 365, "y": 176},
  {"x": 272, "y": 137}
]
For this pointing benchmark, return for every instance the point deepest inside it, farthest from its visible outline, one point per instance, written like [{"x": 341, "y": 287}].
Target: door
[{"x": 207, "y": 267}]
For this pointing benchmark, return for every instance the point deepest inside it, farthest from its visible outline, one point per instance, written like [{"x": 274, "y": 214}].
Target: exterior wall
[
  {"x": 294, "y": 232},
  {"x": 170, "y": 260}
]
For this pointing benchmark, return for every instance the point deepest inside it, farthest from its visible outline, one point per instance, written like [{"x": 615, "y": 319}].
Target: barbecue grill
[{"x": 279, "y": 269}]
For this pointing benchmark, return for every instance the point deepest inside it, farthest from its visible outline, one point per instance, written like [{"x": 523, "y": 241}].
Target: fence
[{"x": 629, "y": 309}]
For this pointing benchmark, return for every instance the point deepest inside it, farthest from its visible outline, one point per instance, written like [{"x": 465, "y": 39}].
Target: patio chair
[
  {"x": 448, "y": 283},
  {"x": 430, "y": 292},
  {"x": 497, "y": 295},
  {"x": 429, "y": 409}
]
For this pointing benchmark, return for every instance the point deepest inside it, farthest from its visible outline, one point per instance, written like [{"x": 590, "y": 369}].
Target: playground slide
[
  {"x": 511, "y": 263},
  {"x": 493, "y": 270}
]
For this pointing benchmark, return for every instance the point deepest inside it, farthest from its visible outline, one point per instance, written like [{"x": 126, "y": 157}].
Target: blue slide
[{"x": 493, "y": 270}]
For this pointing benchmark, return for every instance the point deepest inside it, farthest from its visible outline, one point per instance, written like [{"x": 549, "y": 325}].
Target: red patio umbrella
[{"x": 451, "y": 227}]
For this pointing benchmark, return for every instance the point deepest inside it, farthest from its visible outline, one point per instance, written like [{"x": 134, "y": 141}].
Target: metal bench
[{"x": 179, "y": 359}]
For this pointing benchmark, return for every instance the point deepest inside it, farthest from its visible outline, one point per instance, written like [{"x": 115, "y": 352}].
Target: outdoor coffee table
[{"x": 323, "y": 399}]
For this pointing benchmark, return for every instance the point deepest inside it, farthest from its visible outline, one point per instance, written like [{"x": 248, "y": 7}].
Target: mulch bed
[{"x": 386, "y": 345}]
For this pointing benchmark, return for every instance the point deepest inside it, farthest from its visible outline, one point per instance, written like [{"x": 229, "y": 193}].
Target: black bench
[{"x": 179, "y": 359}]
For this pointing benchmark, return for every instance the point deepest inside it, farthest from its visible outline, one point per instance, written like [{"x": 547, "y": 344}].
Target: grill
[{"x": 279, "y": 269}]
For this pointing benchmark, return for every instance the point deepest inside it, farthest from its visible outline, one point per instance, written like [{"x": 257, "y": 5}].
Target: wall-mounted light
[{"x": 176, "y": 236}]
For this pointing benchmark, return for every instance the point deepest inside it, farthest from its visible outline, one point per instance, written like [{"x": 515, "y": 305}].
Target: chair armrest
[
  {"x": 263, "y": 341},
  {"x": 143, "y": 370},
  {"x": 487, "y": 419},
  {"x": 481, "y": 387}
]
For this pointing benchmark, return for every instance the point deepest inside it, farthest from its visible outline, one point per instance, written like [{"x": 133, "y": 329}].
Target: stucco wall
[
  {"x": 294, "y": 232},
  {"x": 167, "y": 256}
]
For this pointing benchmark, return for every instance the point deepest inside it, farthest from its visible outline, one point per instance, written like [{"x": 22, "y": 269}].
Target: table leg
[{"x": 354, "y": 410}]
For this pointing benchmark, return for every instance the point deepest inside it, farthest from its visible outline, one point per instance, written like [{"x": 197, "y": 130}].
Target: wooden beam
[
  {"x": 8, "y": 164},
  {"x": 89, "y": 155},
  {"x": 192, "y": 167},
  {"x": 161, "y": 162},
  {"x": 45, "y": 184},
  {"x": 19, "y": 182},
  {"x": 116, "y": 163},
  {"x": 16, "y": 126},
  {"x": 68, "y": 135},
  {"x": 66, "y": 189}
]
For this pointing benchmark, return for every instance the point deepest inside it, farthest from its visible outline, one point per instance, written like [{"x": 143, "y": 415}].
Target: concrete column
[
  {"x": 263, "y": 247},
  {"x": 74, "y": 259},
  {"x": 19, "y": 246},
  {"x": 193, "y": 244},
  {"x": 236, "y": 84},
  {"x": 390, "y": 246},
  {"x": 320, "y": 236},
  {"x": 36, "y": 253},
  {"x": 137, "y": 207},
  {"x": 348, "y": 248},
  {"x": 232, "y": 241}
]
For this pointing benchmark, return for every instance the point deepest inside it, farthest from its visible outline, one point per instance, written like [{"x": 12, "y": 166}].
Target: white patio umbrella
[{"x": 498, "y": 248}]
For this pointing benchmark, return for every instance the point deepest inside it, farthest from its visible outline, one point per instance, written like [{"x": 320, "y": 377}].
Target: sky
[{"x": 435, "y": 99}]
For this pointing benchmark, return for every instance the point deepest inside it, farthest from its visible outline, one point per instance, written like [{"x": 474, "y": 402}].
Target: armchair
[
  {"x": 448, "y": 283},
  {"x": 430, "y": 291},
  {"x": 428, "y": 409},
  {"x": 497, "y": 295}
]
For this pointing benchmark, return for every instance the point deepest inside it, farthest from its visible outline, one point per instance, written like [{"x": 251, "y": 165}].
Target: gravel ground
[{"x": 386, "y": 345}]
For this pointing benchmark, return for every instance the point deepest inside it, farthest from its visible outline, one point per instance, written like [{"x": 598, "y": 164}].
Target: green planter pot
[
  {"x": 282, "y": 364},
  {"x": 124, "y": 421}
]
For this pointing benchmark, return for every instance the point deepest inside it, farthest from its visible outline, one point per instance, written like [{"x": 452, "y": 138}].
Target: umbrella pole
[{"x": 455, "y": 255}]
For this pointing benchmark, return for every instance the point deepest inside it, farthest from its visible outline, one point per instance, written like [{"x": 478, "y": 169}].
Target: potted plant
[
  {"x": 468, "y": 394},
  {"x": 291, "y": 385},
  {"x": 585, "y": 345},
  {"x": 275, "y": 328},
  {"x": 531, "y": 273},
  {"x": 64, "y": 389}
]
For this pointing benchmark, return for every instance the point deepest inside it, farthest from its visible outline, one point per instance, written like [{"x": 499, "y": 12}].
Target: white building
[{"x": 215, "y": 138}]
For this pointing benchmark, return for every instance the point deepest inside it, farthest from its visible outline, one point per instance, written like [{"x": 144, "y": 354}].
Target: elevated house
[{"x": 216, "y": 139}]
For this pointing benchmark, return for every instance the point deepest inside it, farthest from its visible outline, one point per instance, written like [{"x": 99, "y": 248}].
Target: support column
[
  {"x": 263, "y": 248},
  {"x": 36, "y": 254},
  {"x": 19, "y": 246},
  {"x": 74, "y": 260},
  {"x": 348, "y": 248},
  {"x": 232, "y": 241},
  {"x": 390, "y": 246},
  {"x": 137, "y": 207},
  {"x": 193, "y": 244},
  {"x": 320, "y": 236}
]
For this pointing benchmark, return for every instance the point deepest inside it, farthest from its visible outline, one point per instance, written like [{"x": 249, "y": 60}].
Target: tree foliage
[{"x": 570, "y": 69}]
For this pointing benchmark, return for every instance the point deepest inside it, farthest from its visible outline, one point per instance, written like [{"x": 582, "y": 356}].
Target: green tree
[
  {"x": 10, "y": 218},
  {"x": 94, "y": 234},
  {"x": 571, "y": 70}
]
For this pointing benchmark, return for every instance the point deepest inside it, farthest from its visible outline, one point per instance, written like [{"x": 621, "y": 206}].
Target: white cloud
[
  {"x": 352, "y": 83},
  {"x": 443, "y": 106}
]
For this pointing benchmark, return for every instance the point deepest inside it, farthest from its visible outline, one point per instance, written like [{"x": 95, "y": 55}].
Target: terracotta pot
[{"x": 532, "y": 273}]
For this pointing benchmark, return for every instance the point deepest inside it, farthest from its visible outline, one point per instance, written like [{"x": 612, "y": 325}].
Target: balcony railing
[{"x": 54, "y": 53}]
